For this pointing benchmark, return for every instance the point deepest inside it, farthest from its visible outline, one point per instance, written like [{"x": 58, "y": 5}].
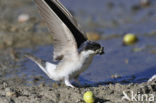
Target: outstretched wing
[
  {"x": 66, "y": 12},
  {"x": 66, "y": 35}
]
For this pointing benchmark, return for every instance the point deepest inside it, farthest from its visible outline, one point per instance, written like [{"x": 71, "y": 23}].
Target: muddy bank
[{"x": 111, "y": 93}]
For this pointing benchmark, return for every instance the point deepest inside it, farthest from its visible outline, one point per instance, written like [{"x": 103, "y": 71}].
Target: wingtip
[
  {"x": 31, "y": 57},
  {"x": 35, "y": 59},
  {"x": 28, "y": 55}
]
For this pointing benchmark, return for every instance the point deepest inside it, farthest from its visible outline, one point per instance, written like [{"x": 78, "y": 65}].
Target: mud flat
[{"x": 112, "y": 93}]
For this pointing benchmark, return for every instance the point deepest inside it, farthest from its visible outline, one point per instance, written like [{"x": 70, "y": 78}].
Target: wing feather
[{"x": 64, "y": 43}]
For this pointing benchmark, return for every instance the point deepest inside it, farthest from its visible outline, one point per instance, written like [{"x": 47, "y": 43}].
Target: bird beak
[{"x": 101, "y": 51}]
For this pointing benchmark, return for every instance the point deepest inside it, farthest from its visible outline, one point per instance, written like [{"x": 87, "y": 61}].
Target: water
[
  {"x": 111, "y": 16},
  {"x": 124, "y": 61}
]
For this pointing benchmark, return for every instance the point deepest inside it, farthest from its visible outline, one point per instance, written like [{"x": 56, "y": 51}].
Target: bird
[{"x": 73, "y": 52}]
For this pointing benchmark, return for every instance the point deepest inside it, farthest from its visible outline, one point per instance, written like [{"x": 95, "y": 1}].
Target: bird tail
[{"x": 41, "y": 63}]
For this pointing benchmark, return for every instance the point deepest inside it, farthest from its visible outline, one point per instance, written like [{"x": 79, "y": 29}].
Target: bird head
[{"x": 92, "y": 48}]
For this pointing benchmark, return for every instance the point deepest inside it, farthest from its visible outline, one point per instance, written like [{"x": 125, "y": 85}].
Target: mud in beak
[{"x": 101, "y": 51}]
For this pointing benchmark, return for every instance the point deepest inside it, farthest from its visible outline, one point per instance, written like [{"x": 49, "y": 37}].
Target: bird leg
[{"x": 67, "y": 82}]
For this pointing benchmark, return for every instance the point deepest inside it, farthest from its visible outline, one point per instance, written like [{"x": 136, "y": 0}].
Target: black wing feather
[{"x": 76, "y": 33}]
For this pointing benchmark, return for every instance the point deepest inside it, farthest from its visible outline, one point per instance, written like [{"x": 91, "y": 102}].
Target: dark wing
[
  {"x": 66, "y": 12},
  {"x": 68, "y": 19},
  {"x": 66, "y": 35}
]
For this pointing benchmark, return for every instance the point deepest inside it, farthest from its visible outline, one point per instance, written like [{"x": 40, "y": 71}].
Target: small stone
[
  {"x": 55, "y": 85},
  {"x": 144, "y": 3},
  {"x": 93, "y": 36},
  {"x": 126, "y": 61},
  {"x": 14, "y": 54},
  {"x": 42, "y": 85},
  {"x": 9, "y": 92},
  {"x": 5, "y": 84},
  {"x": 115, "y": 76},
  {"x": 26, "y": 29},
  {"x": 23, "y": 18},
  {"x": 8, "y": 41},
  {"x": 137, "y": 49},
  {"x": 13, "y": 29},
  {"x": 153, "y": 51}
]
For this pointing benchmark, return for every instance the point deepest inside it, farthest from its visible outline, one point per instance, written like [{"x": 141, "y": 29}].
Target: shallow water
[
  {"x": 111, "y": 16},
  {"x": 123, "y": 61}
]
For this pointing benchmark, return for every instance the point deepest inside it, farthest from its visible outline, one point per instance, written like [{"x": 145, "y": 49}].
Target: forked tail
[{"x": 41, "y": 63}]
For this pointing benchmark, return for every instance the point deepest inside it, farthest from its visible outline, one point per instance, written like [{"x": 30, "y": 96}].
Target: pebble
[
  {"x": 115, "y": 76},
  {"x": 5, "y": 84},
  {"x": 14, "y": 54},
  {"x": 8, "y": 41},
  {"x": 93, "y": 36},
  {"x": 145, "y": 3},
  {"x": 9, "y": 92},
  {"x": 136, "y": 49},
  {"x": 23, "y": 18},
  {"x": 13, "y": 29},
  {"x": 126, "y": 61}
]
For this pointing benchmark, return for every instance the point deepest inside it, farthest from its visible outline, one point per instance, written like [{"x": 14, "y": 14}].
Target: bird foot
[{"x": 67, "y": 83}]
